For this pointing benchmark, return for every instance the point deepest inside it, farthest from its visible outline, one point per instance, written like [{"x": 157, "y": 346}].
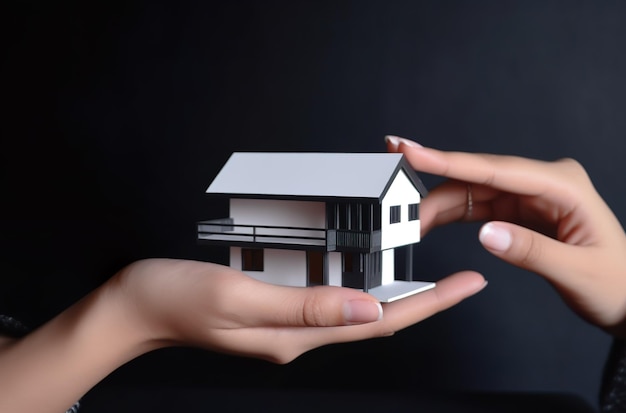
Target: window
[
  {"x": 251, "y": 259},
  {"x": 414, "y": 212},
  {"x": 394, "y": 214},
  {"x": 350, "y": 216},
  {"x": 376, "y": 218},
  {"x": 315, "y": 267},
  {"x": 352, "y": 262},
  {"x": 348, "y": 262}
]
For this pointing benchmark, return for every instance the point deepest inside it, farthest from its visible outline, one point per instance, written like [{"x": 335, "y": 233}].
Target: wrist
[
  {"x": 126, "y": 317},
  {"x": 149, "y": 294}
]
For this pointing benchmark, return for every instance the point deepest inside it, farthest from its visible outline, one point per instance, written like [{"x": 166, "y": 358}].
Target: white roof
[{"x": 310, "y": 175}]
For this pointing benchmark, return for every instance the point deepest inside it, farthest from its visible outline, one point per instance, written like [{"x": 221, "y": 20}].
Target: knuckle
[
  {"x": 570, "y": 162},
  {"x": 572, "y": 167},
  {"x": 490, "y": 177},
  {"x": 313, "y": 312},
  {"x": 574, "y": 174},
  {"x": 530, "y": 252}
]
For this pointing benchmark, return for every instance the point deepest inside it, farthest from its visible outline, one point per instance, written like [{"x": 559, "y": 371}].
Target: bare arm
[
  {"x": 52, "y": 367},
  {"x": 156, "y": 303}
]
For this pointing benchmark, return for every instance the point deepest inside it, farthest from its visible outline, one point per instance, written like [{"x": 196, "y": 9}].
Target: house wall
[
  {"x": 401, "y": 192},
  {"x": 334, "y": 268},
  {"x": 284, "y": 267},
  {"x": 287, "y": 267},
  {"x": 278, "y": 212},
  {"x": 388, "y": 266},
  {"x": 281, "y": 266}
]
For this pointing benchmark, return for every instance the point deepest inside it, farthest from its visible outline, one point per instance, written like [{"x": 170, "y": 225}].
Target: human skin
[
  {"x": 156, "y": 303},
  {"x": 545, "y": 217}
]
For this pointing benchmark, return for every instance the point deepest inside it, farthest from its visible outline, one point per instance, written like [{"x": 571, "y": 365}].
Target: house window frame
[
  {"x": 395, "y": 215},
  {"x": 414, "y": 212},
  {"x": 252, "y": 259}
]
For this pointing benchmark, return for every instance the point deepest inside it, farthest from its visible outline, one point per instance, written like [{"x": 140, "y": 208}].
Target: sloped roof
[{"x": 310, "y": 175}]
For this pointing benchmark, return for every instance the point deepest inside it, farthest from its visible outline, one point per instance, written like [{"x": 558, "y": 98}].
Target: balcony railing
[
  {"x": 347, "y": 240},
  {"x": 225, "y": 231}
]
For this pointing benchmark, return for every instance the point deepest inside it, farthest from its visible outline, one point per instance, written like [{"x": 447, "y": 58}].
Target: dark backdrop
[{"x": 117, "y": 116}]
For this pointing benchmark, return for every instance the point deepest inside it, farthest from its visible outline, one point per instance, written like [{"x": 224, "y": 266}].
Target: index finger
[{"x": 504, "y": 172}]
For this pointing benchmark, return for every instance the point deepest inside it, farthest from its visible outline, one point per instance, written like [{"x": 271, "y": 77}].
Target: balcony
[
  {"x": 225, "y": 232},
  {"x": 355, "y": 241}
]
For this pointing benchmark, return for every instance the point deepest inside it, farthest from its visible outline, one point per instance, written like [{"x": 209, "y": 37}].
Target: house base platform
[{"x": 399, "y": 289}]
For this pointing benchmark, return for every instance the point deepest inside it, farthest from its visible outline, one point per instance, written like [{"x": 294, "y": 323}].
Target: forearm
[{"x": 52, "y": 367}]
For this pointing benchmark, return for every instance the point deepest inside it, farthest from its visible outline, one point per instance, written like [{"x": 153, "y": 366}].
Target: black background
[{"x": 117, "y": 115}]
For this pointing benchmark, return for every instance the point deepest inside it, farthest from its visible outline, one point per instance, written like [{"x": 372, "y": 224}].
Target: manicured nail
[
  {"x": 495, "y": 237},
  {"x": 362, "y": 311},
  {"x": 395, "y": 141}
]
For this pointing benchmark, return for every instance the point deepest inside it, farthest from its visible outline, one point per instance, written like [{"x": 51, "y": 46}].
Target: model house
[{"x": 302, "y": 219}]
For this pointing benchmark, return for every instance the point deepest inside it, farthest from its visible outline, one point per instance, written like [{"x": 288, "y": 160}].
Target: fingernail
[
  {"x": 362, "y": 311},
  {"x": 396, "y": 140},
  {"x": 494, "y": 237},
  {"x": 393, "y": 141}
]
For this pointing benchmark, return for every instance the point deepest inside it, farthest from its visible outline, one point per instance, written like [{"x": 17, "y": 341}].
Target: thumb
[
  {"x": 528, "y": 249},
  {"x": 318, "y": 306},
  {"x": 328, "y": 306}
]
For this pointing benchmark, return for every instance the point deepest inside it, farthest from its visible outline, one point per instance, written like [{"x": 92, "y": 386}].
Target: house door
[
  {"x": 352, "y": 270},
  {"x": 403, "y": 263},
  {"x": 315, "y": 268}
]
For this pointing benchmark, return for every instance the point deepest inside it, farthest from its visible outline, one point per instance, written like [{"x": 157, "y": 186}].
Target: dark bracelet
[
  {"x": 11, "y": 327},
  {"x": 613, "y": 391},
  {"x": 74, "y": 409}
]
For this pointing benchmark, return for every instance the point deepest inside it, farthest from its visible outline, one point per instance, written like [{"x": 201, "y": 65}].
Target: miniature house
[{"x": 302, "y": 219}]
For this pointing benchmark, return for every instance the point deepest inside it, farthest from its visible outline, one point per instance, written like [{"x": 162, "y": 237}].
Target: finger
[
  {"x": 407, "y": 311},
  {"x": 533, "y": 251},
  {"x": 507, "y": 173},
  {"x": 283, "y": 344},
  {"x": 447, "y": 293},
  {"x": 450, "y": 202},
  {"x": 320, "y": 306}
]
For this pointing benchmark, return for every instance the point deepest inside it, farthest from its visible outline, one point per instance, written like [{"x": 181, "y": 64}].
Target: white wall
[
  {"x": 334, "y": 268},
  {"x": 287, "y": 267},
  {"x": 278, "y": 212},
  {"x": 388, "y": 266},
  {"x": 284, "y": 267},
  {"x": 401, "y": 192}
]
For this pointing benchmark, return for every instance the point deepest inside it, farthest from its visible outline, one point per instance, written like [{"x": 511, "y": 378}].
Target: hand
[
  {"x": 543, "y": 216},
  {"x": 207, "y": 305},
  {"x": 156, "y": 303}
]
